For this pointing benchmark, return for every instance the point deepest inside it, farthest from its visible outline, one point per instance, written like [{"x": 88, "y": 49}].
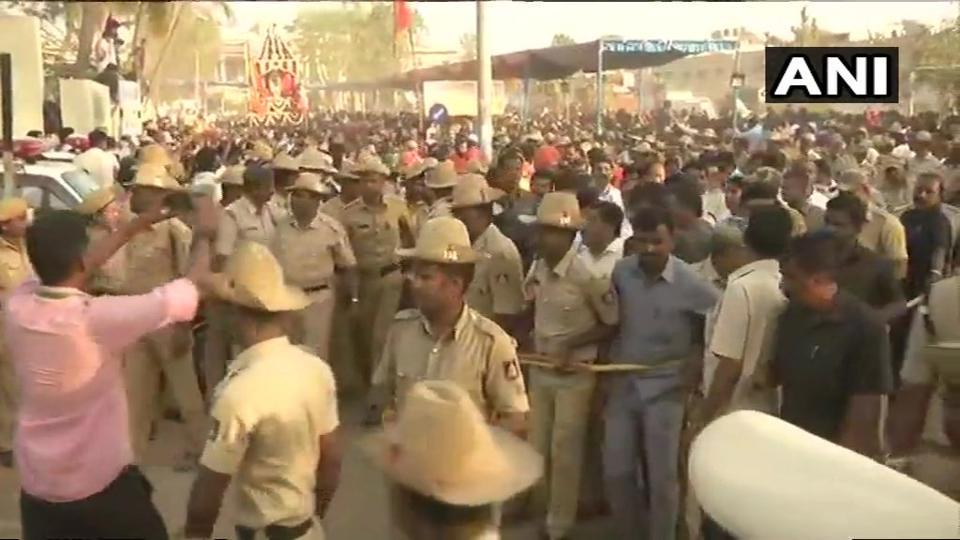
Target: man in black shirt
[
  {"x": 831, "y": 356},
  {"x": 862, "y": 273},
  {"x": 928, "y": 235}
]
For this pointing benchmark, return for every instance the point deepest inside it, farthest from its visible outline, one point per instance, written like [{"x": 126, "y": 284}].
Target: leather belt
[
  {"x": 316, "y": 289},
  {"x": 275, "y": 532}
]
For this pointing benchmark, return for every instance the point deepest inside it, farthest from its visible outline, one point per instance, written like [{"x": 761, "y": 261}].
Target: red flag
[{"x": 402, "y": 17}]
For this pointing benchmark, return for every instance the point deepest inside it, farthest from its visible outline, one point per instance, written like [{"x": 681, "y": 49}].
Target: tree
[
  {"x": 468, "y": 46},
  {"x": 936, "y": 57},
  {"x": 560, "y": 40},
  {"x": 354, "y": 42}
]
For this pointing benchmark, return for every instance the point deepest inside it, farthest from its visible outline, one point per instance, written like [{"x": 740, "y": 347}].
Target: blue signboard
[
  {"x": 665, "y": 45},
  {"x": 438, "y": 113}
]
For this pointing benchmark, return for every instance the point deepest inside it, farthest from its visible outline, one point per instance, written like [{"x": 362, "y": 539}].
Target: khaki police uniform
[
  {"x": 884, "y": 234},
  {"x": 108, "y": 279},
  {"x": 14, "y": 269},
  {"x": 497, "y": 286},
  {"x": 479, "y": 356},
  {"x": 309, "y": 255},
  {"x": 334, "y": 208},
  {"x": 343, "y": 351},
  {"x": 443, "y": 176},
  {"x": 154, "y": 257},
  {"x": 374, "y": 232},
  {"x": 218, "y": 345},
  {"x": 239, "y": 222},
  {"x": 568, "y": 301},
  {"x": 932, "y": 356},
  {"x": 271, "y": 409}
]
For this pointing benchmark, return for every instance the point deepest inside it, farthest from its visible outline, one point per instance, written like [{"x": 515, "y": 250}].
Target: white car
[{"x": 52, "y": 185}]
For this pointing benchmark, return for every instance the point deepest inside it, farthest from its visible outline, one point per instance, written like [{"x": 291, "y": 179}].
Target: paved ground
[{"x": 359, "y": 510}]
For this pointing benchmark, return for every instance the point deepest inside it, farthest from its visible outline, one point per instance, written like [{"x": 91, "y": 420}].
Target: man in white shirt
[
  {"x": 603, "y": 176},
  {"x": 100, "y": 164},
  {"x": 601, "y": 244},
  {"x": 745, "y": 319},
  {"x": 205, "y": 166}
]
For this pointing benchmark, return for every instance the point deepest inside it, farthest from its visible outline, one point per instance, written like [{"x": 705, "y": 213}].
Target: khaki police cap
[
  {"x": 285, "y": 162},
  {"x": 444, "y": 175},
  {"x": 253, "y": 278},
  {"x": 311, "y": 182},
  {"x": 155, "y": 176},
  {"x": 13, "y": 208},
  {"x": 473, "y": 190},
  {"x": 97, "y": 200},
  {"x": 154, "y": 154},
  {"x": 420, "y": 168},
  {"x": 369, "y": 165},
  {"x": 233, "y": 175},
  {"x": 442, "y": 240},
  {"x": 312, "y": 159},
  {"x": 561, "y": 210},
  {"x": 442, "y": 447}
]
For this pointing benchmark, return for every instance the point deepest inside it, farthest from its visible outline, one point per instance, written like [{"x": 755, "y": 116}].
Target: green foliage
[
  {"x": 354, "y": 42},
  {"x": 938, "y": 57},
  {"x": 560, "y": 40}
]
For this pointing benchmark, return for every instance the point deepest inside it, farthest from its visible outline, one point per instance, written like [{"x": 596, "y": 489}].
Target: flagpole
[{"x": 484, "y": 83}]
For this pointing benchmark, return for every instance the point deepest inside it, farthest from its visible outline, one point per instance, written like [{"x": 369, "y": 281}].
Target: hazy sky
[{"x": 526, "y": 25}]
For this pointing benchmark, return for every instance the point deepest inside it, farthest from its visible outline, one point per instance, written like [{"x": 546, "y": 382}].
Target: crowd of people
[{"x": 559, "y": 315}]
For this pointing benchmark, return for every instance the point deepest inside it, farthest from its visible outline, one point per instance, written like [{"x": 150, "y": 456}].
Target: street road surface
[{"x": 359, "y": 511}]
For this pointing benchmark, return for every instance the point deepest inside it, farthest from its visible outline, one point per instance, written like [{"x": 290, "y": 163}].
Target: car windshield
[{"x": 81, "y": 182}]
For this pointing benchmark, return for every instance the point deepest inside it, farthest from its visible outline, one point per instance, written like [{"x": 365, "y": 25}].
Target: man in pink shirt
[{"x": 72, "y": 440}]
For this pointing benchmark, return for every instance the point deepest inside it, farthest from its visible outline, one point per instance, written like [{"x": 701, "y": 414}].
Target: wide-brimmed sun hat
[
  {"x": 253, "y": 278},
  {"x": 443, "y": 240},
  {"x": 442, "y": 447}
]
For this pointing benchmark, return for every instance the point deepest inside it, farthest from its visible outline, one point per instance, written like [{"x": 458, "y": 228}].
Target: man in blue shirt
[{"x": 661, "y": 300}]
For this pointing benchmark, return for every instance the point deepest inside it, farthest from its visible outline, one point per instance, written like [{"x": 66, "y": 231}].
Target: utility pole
[{"x": 484, "y": 83}]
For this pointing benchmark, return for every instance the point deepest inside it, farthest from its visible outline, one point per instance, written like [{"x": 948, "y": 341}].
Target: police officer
[
  {"x": 105, "y": 213},
  {"x": 440, "y": 181},
  {"x": 342, "y": 348},
  {"x": 316, "y": 161},
  {"x": 285, "y": 171},
  {"x": 415, "y": 192},
  {"x": 309, "y": 245},
  {"x": 377, "y": 226},
  {"x": 349, "y": 192},
  {"x": 218, "y": 345},
  {"x": 14, "y": 269},
  {"x": 155, "y": 257},
  {"x": 448, "y": 469},
  {"x": 574, "y": 311},
  {"x": 274, "y": 419},
  {"x": 497, "y": 287},
  {"x": 252, "y": 217},
  {"x": 444, "y": 338},
  {"x": 231, "y": 184},
  {"x": 931, "y": 363}
]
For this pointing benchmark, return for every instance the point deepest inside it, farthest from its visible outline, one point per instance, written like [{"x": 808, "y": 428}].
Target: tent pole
[{"x": 599, "y": 86}]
